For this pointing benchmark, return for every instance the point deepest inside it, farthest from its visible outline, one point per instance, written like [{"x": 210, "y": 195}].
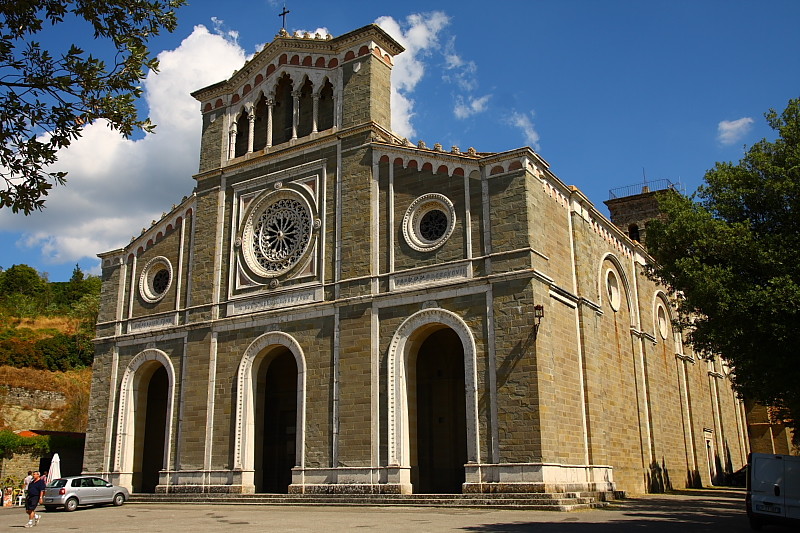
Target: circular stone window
[
  {"x": 429, "y": 222},
  {"x": 277, "y": 233},
  {"x": 155, "y": 280},
  {"x": 612, "y": 289}
]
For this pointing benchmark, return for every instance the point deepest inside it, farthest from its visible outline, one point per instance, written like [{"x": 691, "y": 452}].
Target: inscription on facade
[
  {"x": 275, "y": 302},
  {"x": 430, "y": 277},
  {"x": 151, "y": 324}
]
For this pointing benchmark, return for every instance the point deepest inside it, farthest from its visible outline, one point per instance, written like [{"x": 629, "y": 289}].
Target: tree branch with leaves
[{"x": 48, "y": 96}]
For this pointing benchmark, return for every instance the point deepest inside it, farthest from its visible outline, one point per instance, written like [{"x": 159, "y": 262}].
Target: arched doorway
[
  {"x": 150, "y": 427},
  {"x": 438, "y": 414},
  {"x": 275, "y": 421}
]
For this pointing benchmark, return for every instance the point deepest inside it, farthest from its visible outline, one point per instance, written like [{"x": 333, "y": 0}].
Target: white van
[{"x": 773, "y": 489}]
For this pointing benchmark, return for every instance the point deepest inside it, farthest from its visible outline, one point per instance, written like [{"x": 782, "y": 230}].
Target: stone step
[
  {"x": 527, "y": 501},
  {"x": 345, "y": 495}
]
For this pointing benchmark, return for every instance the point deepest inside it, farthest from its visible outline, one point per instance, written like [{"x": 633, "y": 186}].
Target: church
[{"x": 336, "y": 309}]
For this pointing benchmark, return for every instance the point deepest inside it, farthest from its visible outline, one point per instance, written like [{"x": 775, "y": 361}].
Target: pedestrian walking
[{"x": 35, "y": 496}]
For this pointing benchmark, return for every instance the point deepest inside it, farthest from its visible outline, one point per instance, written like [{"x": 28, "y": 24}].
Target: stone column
[
  {"x": 232, "y": 141},
  {"x": 295, "y": 112},
  {"x": 315, "y": 114},
  {"x": 251, "y": 119},
  {"x": 270, "y": 105}
]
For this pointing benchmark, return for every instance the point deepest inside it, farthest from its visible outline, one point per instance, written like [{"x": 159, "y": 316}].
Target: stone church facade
[{"x": 335, "y": 309}]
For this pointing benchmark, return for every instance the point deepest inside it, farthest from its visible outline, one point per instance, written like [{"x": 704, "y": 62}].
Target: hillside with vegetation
[{"x": 46, "y": 350}]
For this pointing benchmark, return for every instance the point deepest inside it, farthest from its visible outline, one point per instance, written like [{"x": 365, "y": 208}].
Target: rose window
[{"x": 277, "y": 234}]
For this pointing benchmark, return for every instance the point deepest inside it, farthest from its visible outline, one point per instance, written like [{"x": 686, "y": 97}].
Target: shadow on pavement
[{"x": 682, "y": 511}]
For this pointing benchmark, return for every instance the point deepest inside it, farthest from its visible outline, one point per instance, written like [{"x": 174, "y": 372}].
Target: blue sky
[{"x": 604, "y": 91}]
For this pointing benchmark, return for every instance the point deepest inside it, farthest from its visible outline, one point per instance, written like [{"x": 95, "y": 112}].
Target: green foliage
[
  {"x": 732, "y": 252},
  {"x": 11, "y": 443},
  {"x": 22, "y": 279},
  {"x": 20, "y": 354},
  {"x": 48, "y": 97},
  {"x": 56, "y": 352},
  {"x": 25, "y": 294}
]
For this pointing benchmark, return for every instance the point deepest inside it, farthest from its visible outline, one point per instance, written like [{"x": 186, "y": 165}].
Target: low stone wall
[{"x": 38, "y": 399}]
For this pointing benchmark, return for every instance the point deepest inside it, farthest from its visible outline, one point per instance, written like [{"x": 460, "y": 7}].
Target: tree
[
  {"x": 22, "y": 279},
  {"x": 732, "y": 254},
  {"x": 48, "y": 97}
]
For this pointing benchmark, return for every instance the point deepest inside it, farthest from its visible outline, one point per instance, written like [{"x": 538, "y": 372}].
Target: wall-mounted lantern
[{"x": 538, "y": 314}]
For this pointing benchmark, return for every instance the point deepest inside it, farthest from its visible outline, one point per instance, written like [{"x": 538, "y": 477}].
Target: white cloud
[
  {"x": 419, "y": 35},
  {"x": 116, "y": 186},
  {"x": 524, "y": 122},
  {"x": 465, "y": 108},
  {"x": 457, "y": 70},
  {"x": 222, "y": 30},
  {"x": 732, "y": 131}
]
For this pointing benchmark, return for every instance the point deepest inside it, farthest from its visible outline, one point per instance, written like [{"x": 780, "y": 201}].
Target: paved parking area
[{"x": 683, "y": 512}]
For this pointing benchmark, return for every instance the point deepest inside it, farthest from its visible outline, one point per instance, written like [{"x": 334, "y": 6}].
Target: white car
[{"x": 70, "y": 492}]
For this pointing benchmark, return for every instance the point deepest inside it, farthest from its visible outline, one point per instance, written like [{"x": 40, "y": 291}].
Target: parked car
[{"x": 72, "y": 491}]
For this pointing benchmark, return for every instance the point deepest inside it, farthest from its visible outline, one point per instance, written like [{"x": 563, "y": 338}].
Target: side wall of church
[{"x": 616, "y": 406}]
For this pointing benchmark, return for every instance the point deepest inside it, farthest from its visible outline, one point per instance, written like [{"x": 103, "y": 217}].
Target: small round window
[
  {"x": 155, "y": 280},
  {"x": 612, "y": 290},
  {"x": 429, "y": 222}
]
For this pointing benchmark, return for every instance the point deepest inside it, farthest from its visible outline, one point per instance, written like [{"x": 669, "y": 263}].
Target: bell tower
[
  {"x": 298, "y": 88},
  {"x": 633, "y": 206}
]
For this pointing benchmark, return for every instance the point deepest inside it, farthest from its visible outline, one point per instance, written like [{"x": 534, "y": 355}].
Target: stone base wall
[
  {"x": 537, "y": 477},
  {"x": 480, "y": 479}
]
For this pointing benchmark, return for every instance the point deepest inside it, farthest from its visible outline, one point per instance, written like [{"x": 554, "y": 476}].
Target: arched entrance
[
  {"x": 144, "y": 421},
  {"x": 438, "y": 414},
  {"x": 264, "y": 382},
  {"x": 150, "y": 427},
  {"x": 439, "y": 340},
  {"x": 275, "y": 421}
]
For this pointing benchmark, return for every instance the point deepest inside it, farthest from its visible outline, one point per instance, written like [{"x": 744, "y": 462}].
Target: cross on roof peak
[{"x": 283, "y": 14}]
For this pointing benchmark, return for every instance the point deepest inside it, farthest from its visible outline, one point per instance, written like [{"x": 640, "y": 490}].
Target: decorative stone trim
[{"x": 429, "y": 221}]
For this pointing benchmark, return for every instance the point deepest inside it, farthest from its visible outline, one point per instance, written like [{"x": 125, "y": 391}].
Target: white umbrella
[{"x": 55, "y": 468}]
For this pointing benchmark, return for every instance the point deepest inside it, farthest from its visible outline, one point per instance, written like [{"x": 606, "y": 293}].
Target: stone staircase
[{"x": 563, "y": 501}]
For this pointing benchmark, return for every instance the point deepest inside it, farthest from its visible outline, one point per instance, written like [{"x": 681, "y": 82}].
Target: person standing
[
  {"x": 26, "y": 482},
  {"x": 34, "y": 498}
]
